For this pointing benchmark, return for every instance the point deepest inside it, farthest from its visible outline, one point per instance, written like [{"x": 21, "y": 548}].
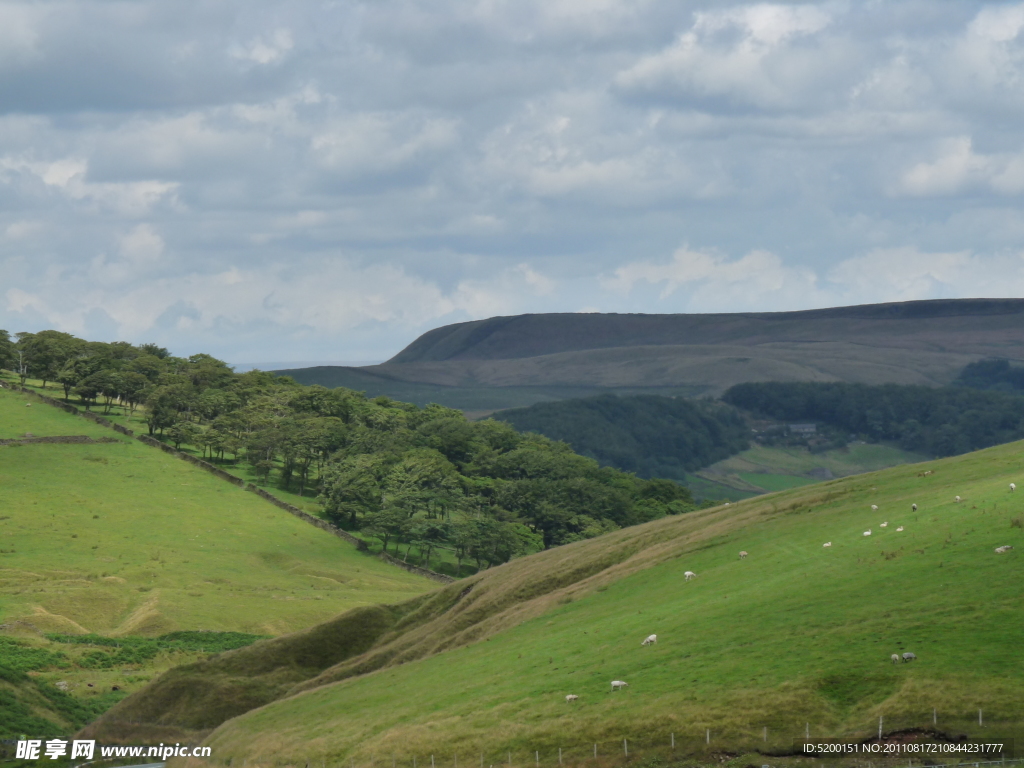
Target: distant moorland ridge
[
  {"x": 945, "y": 324},
  {"x": 916, "y": 342}
]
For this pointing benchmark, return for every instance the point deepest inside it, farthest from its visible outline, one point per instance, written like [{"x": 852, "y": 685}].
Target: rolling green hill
[
  {"x": 794, "y": 636},
  {"x": 503, "y": 362},
  {"x": 119, "y": 538}
]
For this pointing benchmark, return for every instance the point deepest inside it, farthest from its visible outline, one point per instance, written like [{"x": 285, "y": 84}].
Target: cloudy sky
[{"x": 272, "y": 181}]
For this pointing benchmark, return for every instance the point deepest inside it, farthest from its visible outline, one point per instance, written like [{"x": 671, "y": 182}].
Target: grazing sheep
[
  {"x": 28, "y": 405},
  {"x": 883, "y": 525},
  {"x": 827, "y": 544},
  {"x": 616, "y": 684},
  {"x": 1003, "y": 549},
  {"x": 1013, "y": 487},
  {"x": 899, "y": 529},
  {"x": 914, "y": 507},
  {"x": 895, "y": 658},
  {"x": 908, "y": 656},
  {"x": 689, "y": 575},
  {"x": 742, "y": 555},
  {"x": 957, "y": 499},
  {"x": 571, "y": 698},
  {"x": 651, "y": 640},
  {"x": 874, "y": 507},
  {"x": 867, "y": 532}
]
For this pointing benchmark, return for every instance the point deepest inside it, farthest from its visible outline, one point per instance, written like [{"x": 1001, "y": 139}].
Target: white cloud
[
  {"x": 958, "y": 168},
  {"x": 270, "y": 49}
]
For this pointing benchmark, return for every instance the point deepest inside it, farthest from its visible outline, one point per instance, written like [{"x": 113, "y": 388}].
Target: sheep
[
  {"x": 913, "y": 507},
  {"x": 1003, "y": 549},
  {"x": 895, "y": 658},
  {"x": 899, "y": 529},
  {"x": 908, "y": 656},
  {"x": 827, "y": 544},
  {"x": 874, "y": 507},
  {"x": 1013, "y": 486},
  {"x": 617, "y": 684},
  {"x": 867, "y": 532},
  {"x": 651, "y": 640},
  {"x": 571, "y": 698},
  {"x": 957, "y": 499},
  {"x": 743, "y": 554},
  {"x": 689, "y": 575},
  {"x": 883, "y": 525}
]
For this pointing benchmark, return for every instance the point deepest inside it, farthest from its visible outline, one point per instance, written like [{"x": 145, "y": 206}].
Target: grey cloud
[{"x": 264, "y": 180}]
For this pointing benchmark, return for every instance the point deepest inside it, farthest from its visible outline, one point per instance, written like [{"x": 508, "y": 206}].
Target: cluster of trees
[
  {"x": 650, "y": 435},
  {"x": 418, "y": 477},
  {"x": 945, "y": 421},
  {"x": 997, "y": 375}
]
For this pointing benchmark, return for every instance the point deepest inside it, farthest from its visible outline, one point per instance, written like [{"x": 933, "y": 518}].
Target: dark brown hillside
[
  {"x": 941, "y": 324},
  {"x": 506, "y": 362}
]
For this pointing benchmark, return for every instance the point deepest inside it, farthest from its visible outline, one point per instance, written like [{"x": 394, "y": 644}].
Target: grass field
[
  {"x": 119, "y": 538},
  {"x": 767, "y": 469},
  {"x": 795, "y": 634}
]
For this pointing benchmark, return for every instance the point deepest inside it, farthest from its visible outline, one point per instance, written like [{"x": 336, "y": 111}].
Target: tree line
[
  {"x": 942, "y": 421},
  {"x": 651, "y": 435},
  {"x": 408, "y": 476}
]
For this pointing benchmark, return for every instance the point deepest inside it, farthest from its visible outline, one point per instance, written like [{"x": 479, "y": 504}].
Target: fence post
[
  {"x": 979, "y": 718},
  {"x": 673, "y": 741},
  {"x": 559, "y": 755},
  {"x": 807, "y": 731},
  {"x": 595, "y": 751},
  {"x": 879, "y": 727},
  {"x": 510, "y": 758},
  {"x": 625, "y": 747},
  {"x": 935, "y": 716},
  {"x": 536, "y": 758},
  {"x": 708, "y": 737},
  {"x": 431, "y": 761},
  {"x": 456, "y": 761}
]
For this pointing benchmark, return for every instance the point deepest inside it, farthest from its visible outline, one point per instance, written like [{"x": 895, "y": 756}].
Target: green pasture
[
  {"x": 794, "y": 636},
  {"x": 120, "y": 538},
  {"x": 764, "y": 468}
]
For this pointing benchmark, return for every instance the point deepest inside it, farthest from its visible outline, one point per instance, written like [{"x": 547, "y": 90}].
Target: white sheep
[
  {"x": 827, "y": 544},
  {"x": 895, "y": 658},
  {"x": 617, "y": 684},
  {"x": 874, "y": 507},
  {"x": 899, "y": 529},
  {"x": 689, "y": 575},
  {"x": 914, "y": 507},
  {"x": 1003, "y": 549},
  {"x": 651, "y": 640},
  {"x": 908, "y": 657},
  {"x": 883, "y": 525},
  {"x": 867, "y": 532},
  {"x": 571, "y": 698},
  {"x": 1013, "y": 487},
  {"x": 957, "y": 499},
  {"x": 743, "y": 554}
]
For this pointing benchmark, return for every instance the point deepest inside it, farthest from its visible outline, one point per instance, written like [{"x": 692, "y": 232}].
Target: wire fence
[{"x": 931, "y": 742}]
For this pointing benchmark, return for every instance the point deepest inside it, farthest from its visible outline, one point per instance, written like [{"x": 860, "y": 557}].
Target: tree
[
  {"x": 7, "y": 356},
  {"x": 183, "y": 431},
  {"x": 46, "y": 352},
  {"x": 386, "y": 524}
]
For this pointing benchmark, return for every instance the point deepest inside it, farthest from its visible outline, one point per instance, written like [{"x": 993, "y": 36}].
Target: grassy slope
[
  {"x": 122, "y": 538},
  {"x": 763, "y": 468},
  {"x": 794, "y": 634}
]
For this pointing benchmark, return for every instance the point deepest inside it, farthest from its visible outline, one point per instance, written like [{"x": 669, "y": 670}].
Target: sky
[{"x": 267, "y": 180}]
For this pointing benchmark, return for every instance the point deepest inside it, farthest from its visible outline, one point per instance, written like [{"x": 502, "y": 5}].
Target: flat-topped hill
[
  {"x": 511, "y": 361},
  {"x": 940, "y": 325}
]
